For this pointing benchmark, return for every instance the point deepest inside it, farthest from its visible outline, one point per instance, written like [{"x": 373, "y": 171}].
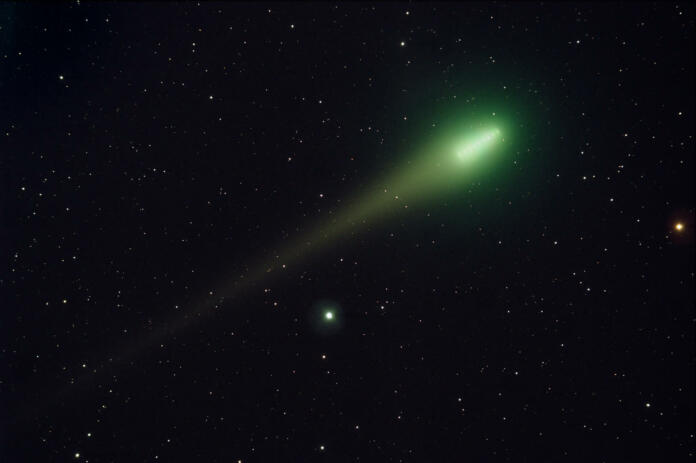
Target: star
[
  {"x": 329, "y": 315},
  {"x": 679, "y": 226}
]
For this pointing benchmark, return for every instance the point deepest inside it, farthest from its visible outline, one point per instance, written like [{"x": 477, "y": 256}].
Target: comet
[
  {"x": 434, "y": 169},
  {"x": 455, "y": 157}
]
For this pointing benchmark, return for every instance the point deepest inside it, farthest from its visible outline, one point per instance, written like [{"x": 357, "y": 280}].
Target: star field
[{"x": 230, "y": 232}]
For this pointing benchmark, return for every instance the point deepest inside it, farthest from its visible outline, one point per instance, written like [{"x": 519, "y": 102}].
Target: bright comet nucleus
[{"x": 475, "y": 145}]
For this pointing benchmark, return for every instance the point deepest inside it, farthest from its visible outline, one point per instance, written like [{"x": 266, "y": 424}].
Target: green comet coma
[{"x": 456, "y": 155}]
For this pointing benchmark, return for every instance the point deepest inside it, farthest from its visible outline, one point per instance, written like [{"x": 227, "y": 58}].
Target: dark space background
[{"x": 148, "y": 149}]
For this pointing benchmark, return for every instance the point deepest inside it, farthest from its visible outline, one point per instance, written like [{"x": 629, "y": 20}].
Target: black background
[{"x": 545, "y": 316}]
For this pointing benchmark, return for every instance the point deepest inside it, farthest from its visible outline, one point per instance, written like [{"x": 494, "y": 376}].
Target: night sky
[{"x": 220, "y": 244}]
